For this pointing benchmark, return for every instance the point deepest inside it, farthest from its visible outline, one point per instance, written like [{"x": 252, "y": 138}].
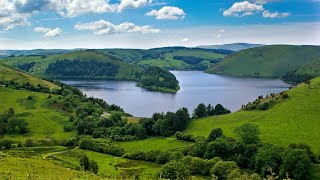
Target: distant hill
[
  {"x": 35, "y": 52},
  {"x": 292, "y": 120},
  {"x": 171, "y": 58},
  {"x": 232, "y": 46},
  {"x": 267, "y": 61},
  {"x": 81, "y": 64}
]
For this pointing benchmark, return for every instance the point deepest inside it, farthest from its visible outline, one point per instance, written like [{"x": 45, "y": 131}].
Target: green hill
[
  {"x": 293, "y": 120},
  {"x": 8, "y": 73},
  {"x": 77, "y": 64},
  {"x": 172, "y": 58},
  {"x": 267, "y": 61},
  {"x": 305, "y": 72}
]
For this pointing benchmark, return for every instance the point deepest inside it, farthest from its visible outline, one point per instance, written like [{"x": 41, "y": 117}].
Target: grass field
[
  {"x": 153, "y": 143},
  {"x": 294, "y": 120},
  {"x": 43, "y": 122},
  {"x": 266, "y": 61},
  {"x": 111, "y": 166},
  {"x": 35, "y": 168}
]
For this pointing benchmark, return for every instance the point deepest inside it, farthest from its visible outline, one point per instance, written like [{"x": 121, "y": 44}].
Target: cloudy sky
[{"x": 30, "y": 24}]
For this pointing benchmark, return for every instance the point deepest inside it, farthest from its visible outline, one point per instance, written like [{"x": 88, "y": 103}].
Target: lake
[{"x": 196, "y": 87}]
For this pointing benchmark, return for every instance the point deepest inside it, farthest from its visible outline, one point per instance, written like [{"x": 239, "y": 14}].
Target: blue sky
[{"x": 30, "y": 24}]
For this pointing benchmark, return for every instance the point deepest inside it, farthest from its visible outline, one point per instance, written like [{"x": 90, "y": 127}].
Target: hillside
[
  {"x": 78, "y": 64},
  {"x": 303, "y": 73},
  {"x": 8, "y": 73},
  {"x": 293, "y": 120},
  {"x": 268, "y": 61},
  {"x": 232, "y": 46},
  {"x": 172, "y": 58}
]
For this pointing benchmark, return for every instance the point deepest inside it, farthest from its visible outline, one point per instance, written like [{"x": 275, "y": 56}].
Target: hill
[
  {"x": 271, "y": 61},
  {"x": 172, "y": 58},
  {"x": 232, "y": 46},
  {"x": 293, "y": 120},
  {"x": 8, "y": 73},
  {"x": 80, "y": 64},
  {"x": 303, "y": 73}
]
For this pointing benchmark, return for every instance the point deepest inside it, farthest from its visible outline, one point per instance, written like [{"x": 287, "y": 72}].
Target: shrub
[
  {"x": 163, "y": 157},
  {"x": 296, "y": 163},
  {"x": 174, "y": 170},
  {"x": 184, "y": 137},
  {"x": 29, "y": 143},
  {"x": 223, "y": 168},
  {"x": 72, "y": 141},
  {"x": 152, "y": 155},
  {"x": 214, "y": 134},
  {"x": 285, "y": 96}
]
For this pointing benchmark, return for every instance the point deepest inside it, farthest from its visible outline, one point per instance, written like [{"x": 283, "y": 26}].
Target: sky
[{"x": 68, "y": 24}]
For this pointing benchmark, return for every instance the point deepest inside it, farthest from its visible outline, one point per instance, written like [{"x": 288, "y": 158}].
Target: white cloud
[
  {"x": 105, "y": 27},
  {"x": 72, "y": 8},
  {"x": 124, "y": 4},
  {"x": 276, "y": 14},
  {"x": 49, "y": 32},
  {"x": 186, "y": 40},
  {"x": 262, "y": 1},
  {"x": 244, "y": 8},
  {"x": 9, "y": 17},
  {"x": 167, "y": 12}
]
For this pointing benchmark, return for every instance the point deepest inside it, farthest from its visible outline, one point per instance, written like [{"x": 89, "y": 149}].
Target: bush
[
  {"x": 163, "y": 157},
  {"x": 296, "y": 163},
  {"x": 249, "y": 133},
  {"x": 174, "y": 170},
  {"x": 136, "y": 155},
  {"x": 223, "y": 168},
  {"x": 72, "y": 141},
  {"x": 29, "y": 143},
  {"x": 152, "y": 155},
  {"x": 214, "y": 134},
  {"x": 285, "y": 96},
  {"x": 184, "y": 137}
]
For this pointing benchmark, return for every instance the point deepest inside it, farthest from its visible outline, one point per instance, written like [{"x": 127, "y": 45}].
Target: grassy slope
[
  {"x": 111, "y": 166},
  {"x": 153, "y": 143},
  {"x": 125, "y": 70},
  {"x": 170, "y": 63},
  {"x": 294, "y": 120},
  {"x": 40, "y": 119},
  {"x": 8, "y": 73},
  {"x": 268, "y": 61},
  {"x": 34, "y": 168}
]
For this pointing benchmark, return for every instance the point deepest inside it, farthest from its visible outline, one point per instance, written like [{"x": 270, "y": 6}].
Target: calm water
[{"x": 196, "y": 87}]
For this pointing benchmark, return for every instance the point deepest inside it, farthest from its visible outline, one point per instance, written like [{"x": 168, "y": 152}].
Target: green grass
[
  {"x": 266, "y": 61},
  {"x": 36, "y": 168},
  {"x": 153, "y": 143},
  {"x": 294, "y": 120},
  {"x": 170, "y": 63},
  {"x": 8, "y": 73},
  {"x": 111, "y": 166},
  {"x": 43, "y": 122}
]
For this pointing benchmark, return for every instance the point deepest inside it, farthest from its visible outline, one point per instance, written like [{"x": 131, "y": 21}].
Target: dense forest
[{"x": 158, "y": 79}]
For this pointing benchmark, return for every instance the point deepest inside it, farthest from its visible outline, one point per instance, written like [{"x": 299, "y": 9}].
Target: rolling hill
[
  {"x": 292, "y": 120},
  {"x": 77, "y": 64},
  {"x": 8, "y": 73},
  {"x": 232, "y": 46},
  {"x": 272, "y": 61},
  {"x": 172, "y": 58}
]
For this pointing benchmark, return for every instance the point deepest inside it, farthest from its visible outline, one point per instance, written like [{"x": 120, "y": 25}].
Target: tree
[
  {"x": 269, "y": 156},
  {"x": 214, "y": 134},
  {"x": 223, "y": 168},
  {"x": 29, "y": 143},
  {"x": 200, "y": 111},
  {"x": 84, "y": 162},
  {"x": 248, "y": 133},
  {"x": 296, "y": 163},
  {"x": 175, "y": 170},
  {"x": 94, "y": 166},
  {"x": 219, "y": 110}
]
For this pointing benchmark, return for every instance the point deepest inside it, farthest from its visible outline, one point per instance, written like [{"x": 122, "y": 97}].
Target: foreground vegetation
[{"x": 268, "y": 137}]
